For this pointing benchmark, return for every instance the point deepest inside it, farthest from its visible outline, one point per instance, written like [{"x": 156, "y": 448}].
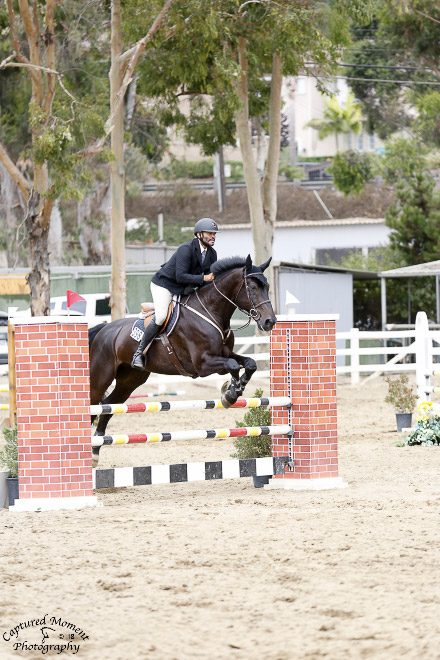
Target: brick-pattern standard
[
  {"x": 303, "y": 366},
  {"x": 52, "y": 372}
]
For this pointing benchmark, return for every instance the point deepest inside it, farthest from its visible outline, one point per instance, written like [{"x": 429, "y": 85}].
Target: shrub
[
  {"x": 401, "y": 395},
  {"x": 254, "y": 446},
  {"x": 351, "y": 171},
  {"x": 427, "y": 428},
  {"x": 9, "y": 453}
]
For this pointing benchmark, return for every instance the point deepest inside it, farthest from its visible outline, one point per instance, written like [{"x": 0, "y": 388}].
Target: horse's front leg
[
  {"x": 250, "y": 367},
  {"x": 221, "y": 365}
]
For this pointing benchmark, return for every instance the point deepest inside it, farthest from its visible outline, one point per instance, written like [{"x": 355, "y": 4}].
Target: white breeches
[{"x": 161, "y": 298}]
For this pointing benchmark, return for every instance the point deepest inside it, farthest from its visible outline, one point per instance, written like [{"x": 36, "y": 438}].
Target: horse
[{"x": 202, "y": 341}]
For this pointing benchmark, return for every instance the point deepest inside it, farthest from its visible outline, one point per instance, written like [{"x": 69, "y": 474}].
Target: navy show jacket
[{"x": 185, "y": 268}]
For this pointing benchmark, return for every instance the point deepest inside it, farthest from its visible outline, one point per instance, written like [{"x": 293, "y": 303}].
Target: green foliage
[
  {"x": 9, "y": 453},
  {"x": 291, "y": 172},
  {"x": 402, "y": 36},
  {"x": 183, "y": 169},
  {"x": 426, "y": 124},
  {"x": 236, "y": 170},
  {"x": 351, "y": 170},
  {"x": 254, "y": 446},
  {"x": 427, "y": 427},
  {"x": 401, "y": 395},
  {"x": 415, "y": 216}
]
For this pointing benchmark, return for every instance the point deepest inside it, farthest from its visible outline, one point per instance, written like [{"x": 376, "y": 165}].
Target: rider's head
[{"x": 205, "y": 229}]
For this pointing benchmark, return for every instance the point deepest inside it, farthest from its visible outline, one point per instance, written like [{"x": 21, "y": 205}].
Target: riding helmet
[{"x": 205, "y": 224}]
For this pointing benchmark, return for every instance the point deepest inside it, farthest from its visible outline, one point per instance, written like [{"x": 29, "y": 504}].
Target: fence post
[
  {"x": 354, "y": 357},
  {"x": 53, "y": 414},
  {"x": 423, "y": 358},
  {"x": 303, "y": 367}
]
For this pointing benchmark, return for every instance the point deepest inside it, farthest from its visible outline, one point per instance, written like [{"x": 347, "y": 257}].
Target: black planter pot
[
  {"x": 403, "y": 421},
  {"x": 12, "y": 489},
  {"x": 259, "y": 482}
]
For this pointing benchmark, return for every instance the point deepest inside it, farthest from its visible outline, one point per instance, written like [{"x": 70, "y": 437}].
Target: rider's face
[{"x": 207, "y": 238}]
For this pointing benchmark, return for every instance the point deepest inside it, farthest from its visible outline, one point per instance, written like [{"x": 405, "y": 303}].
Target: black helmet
[{"x": 205, "y": 224}]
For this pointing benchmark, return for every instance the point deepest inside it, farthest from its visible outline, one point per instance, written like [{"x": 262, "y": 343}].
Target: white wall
[{"x": 297, "y": 244}]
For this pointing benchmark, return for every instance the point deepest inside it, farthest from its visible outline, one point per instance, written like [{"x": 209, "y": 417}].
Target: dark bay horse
[{"x": 202, "y": 340}]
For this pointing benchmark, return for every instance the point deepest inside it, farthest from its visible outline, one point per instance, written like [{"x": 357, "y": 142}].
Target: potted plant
[
  {"x": 426, "y": 430},
  {"x": 9, "y": 458},
  {"x": 402, "y": 397},
  {"x": 255, "y": 446}
]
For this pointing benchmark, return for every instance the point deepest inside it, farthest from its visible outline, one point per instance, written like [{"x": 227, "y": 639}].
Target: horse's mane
[{"x": 225, "y": 265}]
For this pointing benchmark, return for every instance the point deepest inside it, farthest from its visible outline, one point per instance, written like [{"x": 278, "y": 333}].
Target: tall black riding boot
[{"x": 139, "y": 359}]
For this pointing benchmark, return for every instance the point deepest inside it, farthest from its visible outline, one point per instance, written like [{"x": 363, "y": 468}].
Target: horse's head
[{"x": 254, "y": 297}]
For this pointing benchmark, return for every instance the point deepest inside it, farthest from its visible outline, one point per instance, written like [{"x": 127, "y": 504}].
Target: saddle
[{"x": 147, "y": 311}]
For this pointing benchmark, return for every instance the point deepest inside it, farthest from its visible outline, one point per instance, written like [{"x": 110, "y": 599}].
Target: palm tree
[{"x": 338, "y": 119}]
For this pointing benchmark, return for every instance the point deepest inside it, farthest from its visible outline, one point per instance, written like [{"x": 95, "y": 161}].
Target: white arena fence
[{"x": 387, "y": 351}]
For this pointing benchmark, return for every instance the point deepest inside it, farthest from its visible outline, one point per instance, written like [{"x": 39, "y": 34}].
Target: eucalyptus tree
[
  {"x": 229, "y": 59},
  {"x": 40, "y": 135}
]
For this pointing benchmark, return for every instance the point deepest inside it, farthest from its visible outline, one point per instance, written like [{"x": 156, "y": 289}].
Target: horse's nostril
[{"x": 268, "y": 324}]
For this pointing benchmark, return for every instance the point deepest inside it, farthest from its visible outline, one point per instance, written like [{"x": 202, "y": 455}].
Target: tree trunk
[
  {"x": 39, "y": 276},
  {"x": 117, "y": 173},
  {"x": 261, "y": 146},
  {"x": 270, "y": 180},
  {"x": 292, "y": 121},
  {"x": 55, "y": 245},
  {"x": 249, "y": 165}
]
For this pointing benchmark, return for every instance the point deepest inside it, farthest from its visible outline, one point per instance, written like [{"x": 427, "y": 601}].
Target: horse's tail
[{"x": 94, "y": 331}]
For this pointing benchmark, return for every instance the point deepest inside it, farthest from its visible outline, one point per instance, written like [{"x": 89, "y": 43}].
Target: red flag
[{"x": 72, "y": 297}]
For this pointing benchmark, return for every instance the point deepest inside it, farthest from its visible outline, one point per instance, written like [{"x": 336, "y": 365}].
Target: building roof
[
  {"x": 357, "y": 274},
  {"x": 304, "y": 223},
  {"x": 420, "y": 270}
]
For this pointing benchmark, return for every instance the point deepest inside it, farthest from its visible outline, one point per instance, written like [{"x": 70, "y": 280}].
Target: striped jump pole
[
  {"x": 213, "y": 404},
  {"x": 186, "y": 472},
  {"x": 100, "y": 440},
  {"x": 4, "y": 388}
]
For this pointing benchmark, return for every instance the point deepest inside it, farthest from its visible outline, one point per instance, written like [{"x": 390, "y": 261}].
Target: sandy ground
[{"x": 224, "y": 570}]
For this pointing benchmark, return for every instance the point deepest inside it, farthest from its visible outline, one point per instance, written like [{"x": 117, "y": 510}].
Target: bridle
[{"x": 253, "y": 313}]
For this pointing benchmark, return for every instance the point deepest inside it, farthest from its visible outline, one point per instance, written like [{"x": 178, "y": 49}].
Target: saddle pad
[{"x": 137, "y": 330}]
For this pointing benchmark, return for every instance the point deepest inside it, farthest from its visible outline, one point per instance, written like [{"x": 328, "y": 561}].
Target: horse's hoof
[
  {"x": 225, "y": 387},
  {"x": 95, "y": 461},
  {"x": 229, "y": 398}
]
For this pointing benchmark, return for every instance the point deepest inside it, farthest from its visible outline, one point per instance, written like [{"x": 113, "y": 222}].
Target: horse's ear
[
  {"x": 248, "y": 264},
  {"x": 265, "y": 265}
]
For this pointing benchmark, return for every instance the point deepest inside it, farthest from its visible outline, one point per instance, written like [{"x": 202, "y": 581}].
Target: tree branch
[
  {"x": 17, "y": 50},
  {"x": 49, "y": 38},
  {"x": 31, "y": 35},
  {"x": 15, "y": 173},
  {"x": 421, "y": 13},
  {"x": 137, "y": 52}
]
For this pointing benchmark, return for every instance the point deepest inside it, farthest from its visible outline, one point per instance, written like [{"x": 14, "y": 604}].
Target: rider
[{"x": 189, "y": 266}]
